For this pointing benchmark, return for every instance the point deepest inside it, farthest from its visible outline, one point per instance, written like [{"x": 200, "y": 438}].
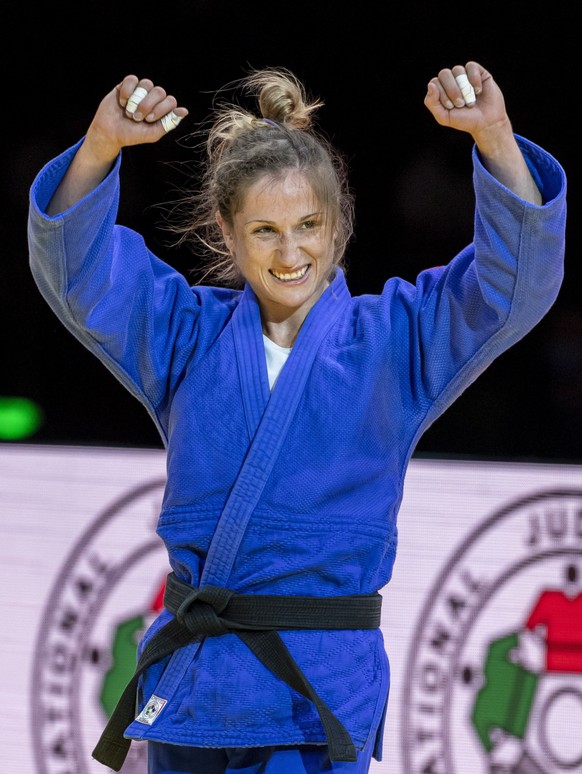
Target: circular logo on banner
[
  {"x": 494, "y": 677},
  {"x": 108, "y": 592}
]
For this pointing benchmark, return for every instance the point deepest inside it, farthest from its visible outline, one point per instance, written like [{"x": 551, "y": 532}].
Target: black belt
[{"x": 211, "y": 611}]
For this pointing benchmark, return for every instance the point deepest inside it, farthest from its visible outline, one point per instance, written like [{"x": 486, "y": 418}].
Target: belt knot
[{"x": 200, "y": 610}]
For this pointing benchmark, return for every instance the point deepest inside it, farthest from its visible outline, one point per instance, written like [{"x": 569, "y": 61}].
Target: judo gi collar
[{"x": 268, "y": 416}]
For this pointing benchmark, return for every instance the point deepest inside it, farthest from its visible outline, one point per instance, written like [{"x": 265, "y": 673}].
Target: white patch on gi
[{"x": 151, "y": 710}]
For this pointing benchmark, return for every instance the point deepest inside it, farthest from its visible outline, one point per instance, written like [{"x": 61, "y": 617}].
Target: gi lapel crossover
[{"x": 268, "y": 429}]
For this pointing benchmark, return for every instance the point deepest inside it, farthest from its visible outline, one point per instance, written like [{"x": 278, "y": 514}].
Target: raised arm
[
  {"x": 486, "y": 120},
  {"x": 134, "y": 112}
]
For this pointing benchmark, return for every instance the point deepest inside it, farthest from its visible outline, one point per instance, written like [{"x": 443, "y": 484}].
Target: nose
[{"x": 289, "y": 249}]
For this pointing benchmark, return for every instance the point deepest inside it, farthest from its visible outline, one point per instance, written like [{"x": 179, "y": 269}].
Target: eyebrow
[{"x": 272, "y": 222}]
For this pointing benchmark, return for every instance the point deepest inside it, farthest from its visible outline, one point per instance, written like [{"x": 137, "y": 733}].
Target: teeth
[{"x": 292, "y": 276}]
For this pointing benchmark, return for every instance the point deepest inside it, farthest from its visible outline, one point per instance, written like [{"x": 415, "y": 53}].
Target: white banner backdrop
[{"x": 482, "y": 620}]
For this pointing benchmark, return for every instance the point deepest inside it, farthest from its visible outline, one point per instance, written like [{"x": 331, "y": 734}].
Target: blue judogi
[{"x": 294, "y": 492}]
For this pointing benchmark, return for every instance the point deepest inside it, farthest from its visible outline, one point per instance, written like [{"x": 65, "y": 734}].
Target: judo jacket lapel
[{"x": 268, "y": 416}]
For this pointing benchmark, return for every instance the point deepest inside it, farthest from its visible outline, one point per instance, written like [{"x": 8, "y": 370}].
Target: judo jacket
[{"x": 294, "y": 491}]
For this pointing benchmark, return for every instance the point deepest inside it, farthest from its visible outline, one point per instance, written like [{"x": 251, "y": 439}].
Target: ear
[{"x": 226, "y": 230}]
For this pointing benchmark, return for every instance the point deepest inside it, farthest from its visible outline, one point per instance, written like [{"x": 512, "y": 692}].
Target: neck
[
  {"x": 282, "y": 324},
  {"x": 284, "y": 333}
]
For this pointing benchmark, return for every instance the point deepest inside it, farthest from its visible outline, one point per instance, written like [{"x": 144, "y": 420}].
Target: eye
[
  {"x": 264, "y": 230},
  {"x": 309, "y": 225}
]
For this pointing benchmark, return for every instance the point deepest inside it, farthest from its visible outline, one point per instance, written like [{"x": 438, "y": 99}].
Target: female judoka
[{"x": 289, "y": 408}]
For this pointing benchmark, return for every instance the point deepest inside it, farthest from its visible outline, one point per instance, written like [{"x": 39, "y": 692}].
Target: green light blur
[{"x": 19, "y": 418}]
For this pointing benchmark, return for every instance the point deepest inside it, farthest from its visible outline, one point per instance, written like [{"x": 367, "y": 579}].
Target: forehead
[{"x": 290, "y": 192}]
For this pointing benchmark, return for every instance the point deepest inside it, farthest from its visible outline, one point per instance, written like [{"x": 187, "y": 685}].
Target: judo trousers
[{"x": 306, "y": 759}]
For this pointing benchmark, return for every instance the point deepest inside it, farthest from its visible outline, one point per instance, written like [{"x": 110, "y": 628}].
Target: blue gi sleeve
[
  {"x": 132, "y": 310},
  {"x": 462, "y": 316}
]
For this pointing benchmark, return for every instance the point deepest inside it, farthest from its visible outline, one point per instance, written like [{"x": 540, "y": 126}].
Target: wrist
[
  {"x": 496, "y": 140},
  {"x": 98, "y": 150}
]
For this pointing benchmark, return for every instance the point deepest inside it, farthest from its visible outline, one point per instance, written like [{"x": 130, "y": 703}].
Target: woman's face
[{"x": 281, "y": 245}]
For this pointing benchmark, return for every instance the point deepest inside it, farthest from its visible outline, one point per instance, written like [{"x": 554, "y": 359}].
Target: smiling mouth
[{"x": 288, "y": 277}]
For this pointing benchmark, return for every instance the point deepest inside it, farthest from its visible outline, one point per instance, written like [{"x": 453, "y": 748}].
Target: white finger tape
[
  {"x": 170, "y": 121},
  {"x": 137, "y": 96},
  {"x": 467, "y": 90}
]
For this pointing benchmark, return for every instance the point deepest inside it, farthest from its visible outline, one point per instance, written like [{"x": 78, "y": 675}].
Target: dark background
[{"x": 370, "y": 62}]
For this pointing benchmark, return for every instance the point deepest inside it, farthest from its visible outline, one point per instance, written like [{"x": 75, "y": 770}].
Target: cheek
[
  {"x": 256, "y": 251},
  {"x": 249, "y": 259},
  {"x": 327, "y": 253}
]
